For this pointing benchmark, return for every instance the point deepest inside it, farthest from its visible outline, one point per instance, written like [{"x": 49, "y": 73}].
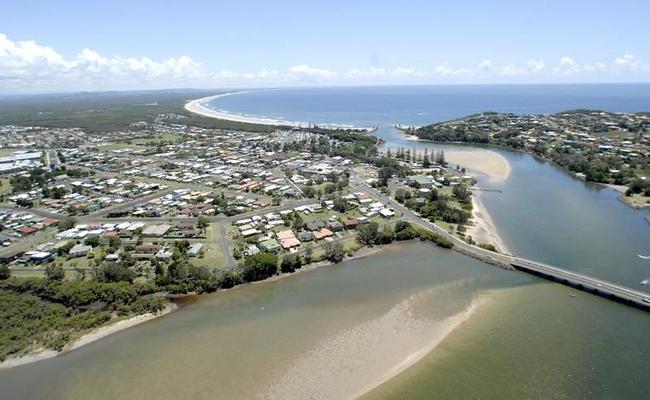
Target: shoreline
[
  {"x": 483, "y": 231},
  {"x": 450, "y": 324},
  {"x": 197, "y": 106},
  {"x": 87, "y": 338},
  {"x": 121, "y": 325}
]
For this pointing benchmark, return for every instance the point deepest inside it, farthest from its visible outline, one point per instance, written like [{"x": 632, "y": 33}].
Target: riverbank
[
  {"x": 483, "y": 231},
  {"x": 637, "y": 201},
  {"x": 87, "y": 338}
]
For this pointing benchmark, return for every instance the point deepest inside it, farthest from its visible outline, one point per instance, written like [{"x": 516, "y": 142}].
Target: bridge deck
[{"x": 583, "y": 282}]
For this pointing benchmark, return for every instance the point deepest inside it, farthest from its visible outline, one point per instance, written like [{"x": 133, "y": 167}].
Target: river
[{"x": 467, "y": 330}]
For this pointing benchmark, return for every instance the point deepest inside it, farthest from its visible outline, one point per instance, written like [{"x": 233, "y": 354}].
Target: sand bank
[
  {"x": 363, "y": 357},
  {"x": 95, "y": 335},
  {"x": 487, "y": 162}
]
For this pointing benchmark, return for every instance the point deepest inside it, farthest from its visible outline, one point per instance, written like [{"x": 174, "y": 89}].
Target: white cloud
[
  {"x": 445, "y": 70},
  {"x": 486, "y": 65},
  {"x": 304, "y": 70},
  {"x": 27, "y": 65},
  {"x": 535, "y": 66},
  {"x": 372, "y": 72},
  {"x": 627, "y": 60},
  {"x": 405, "y": 72}
]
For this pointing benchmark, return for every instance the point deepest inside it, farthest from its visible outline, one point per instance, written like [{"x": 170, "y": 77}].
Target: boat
[
  {"x": 572, "y": 295},
  {"x": 643, "y": 257},
  {"x": 645, "y": 281}
]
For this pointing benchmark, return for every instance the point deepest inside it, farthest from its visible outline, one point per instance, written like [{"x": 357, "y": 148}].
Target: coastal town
[
  {"x": 172, "y": 209},
  {"x": 597, "y": 146}
]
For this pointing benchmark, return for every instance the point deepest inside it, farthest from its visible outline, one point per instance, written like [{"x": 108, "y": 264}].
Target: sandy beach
[
  {"x": 93, "y": 336},
  {"x": 483, "y": 231},
  {"x": 487, "y": 162},
  {"x": 198, "y": 107}
]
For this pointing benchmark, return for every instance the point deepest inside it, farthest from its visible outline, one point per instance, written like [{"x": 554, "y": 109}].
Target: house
[
  {"x": 26, "y": 230},
  {"x": 286, "y": 234},
  {"x": 322, "y": 234},
  {"x": 156, "y": 230},
  {"x": 421, "y": 181},
  {"x": 270, "y": 246},
  {"x": 194, "y": 249},
  {"x": 251, "y": 250},
  {"x": 350, "y": 223},
  {"x": 336, "y": 226},
  {"x": 305, "y": 236},
  {"x": 249, "y": 232},
  {"x": 42, "y": 257},
  {"x": 79, "y": 250},
  {"x": 386, "y": 213},
  {"x": 289, "y": 243},
  {"x": 315, "y": 225},
  {"x": 148, "y": 248}
]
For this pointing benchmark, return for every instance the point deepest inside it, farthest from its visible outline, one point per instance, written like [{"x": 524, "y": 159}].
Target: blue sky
[{"x": 74, "y": 45}]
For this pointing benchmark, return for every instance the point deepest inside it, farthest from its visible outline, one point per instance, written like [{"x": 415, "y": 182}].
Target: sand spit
[
  {"x": 359, "y": 359},
  {"x": 487, "y": 162}
]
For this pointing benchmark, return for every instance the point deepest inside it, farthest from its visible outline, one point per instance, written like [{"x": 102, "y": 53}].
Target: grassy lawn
[
  {"x": 213, "y": 251},
  {"x": 5, "y": 186}
]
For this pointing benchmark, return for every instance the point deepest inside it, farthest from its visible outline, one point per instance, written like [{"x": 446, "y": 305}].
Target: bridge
[
  {"x": 586, "y": 283},
  {"x": 576, "y": 280}
]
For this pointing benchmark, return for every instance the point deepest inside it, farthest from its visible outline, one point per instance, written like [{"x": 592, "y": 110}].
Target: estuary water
[{"x": 411, "y": 321}]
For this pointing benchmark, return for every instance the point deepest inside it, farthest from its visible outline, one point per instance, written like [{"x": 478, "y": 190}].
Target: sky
[{"x": 54, "y": 46}]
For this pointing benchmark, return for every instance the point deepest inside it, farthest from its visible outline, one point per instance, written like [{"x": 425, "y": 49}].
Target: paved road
[{"x": 35, "y": 211}]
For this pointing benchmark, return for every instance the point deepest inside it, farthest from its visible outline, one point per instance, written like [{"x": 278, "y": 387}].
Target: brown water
[{"x": 338, "y": 331}]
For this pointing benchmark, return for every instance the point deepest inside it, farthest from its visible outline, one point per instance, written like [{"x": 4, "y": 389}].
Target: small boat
[
  {"x": 643, "y": 257},
  {"x": 572, "y": 295},
  {"x": 645, "y": 281}
]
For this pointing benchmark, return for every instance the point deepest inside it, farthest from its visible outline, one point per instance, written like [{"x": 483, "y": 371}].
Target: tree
[
  {"x": 5, "y": 272},
  {"x": 66, "y": 224},
  {"x": 290, "y": 263},
  {"x": 203, "y": 222},
  {"x": 440, "y": 158},
  {"x": 112, "y": 272},
  {"x": 298, "y": 222},
  {"x": 386, "y": 236},
  {"x": 54, "y": 272},
  {"x": 462, "y": 193},
  {"x": 368, "y": 233},
  {"x": 334, "y": 251},
  {"x": 259, "y": 266},
  {"x": 330, "y": 188},
  {"x": 309, "y": 253}
]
